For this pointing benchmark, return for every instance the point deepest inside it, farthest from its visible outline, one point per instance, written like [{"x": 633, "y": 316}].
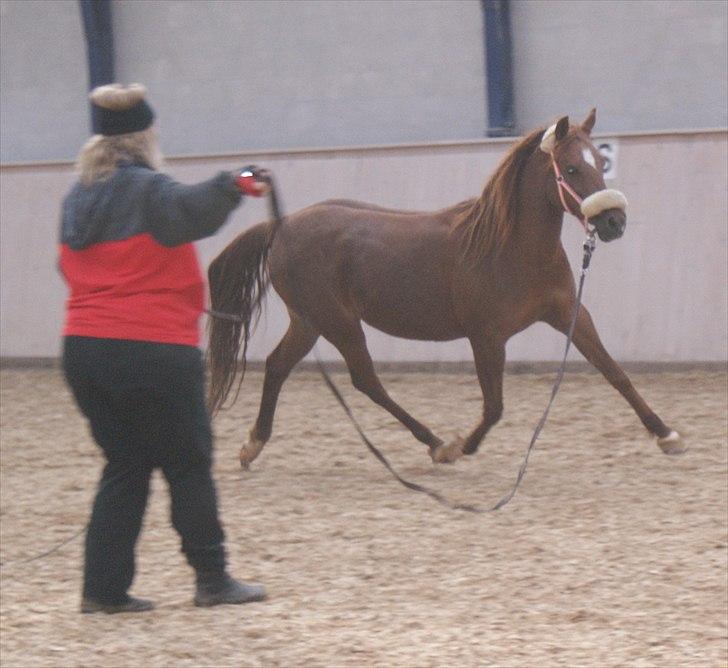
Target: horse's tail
[{"x": 238, "y": 279}]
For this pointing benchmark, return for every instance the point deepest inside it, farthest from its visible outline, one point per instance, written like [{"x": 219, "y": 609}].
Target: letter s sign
[{"x": 609, "y": 150}]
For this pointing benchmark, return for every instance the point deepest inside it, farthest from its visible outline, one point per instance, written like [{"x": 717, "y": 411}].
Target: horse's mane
[{"x": 488, "y": 222}]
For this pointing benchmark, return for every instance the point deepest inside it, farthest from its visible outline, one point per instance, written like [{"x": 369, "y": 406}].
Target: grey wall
[
  {"x": 43, "y": 80},
  {"x": 241, "y": 76},
  {"x": 232, "y": 76},
  {"x": 657, "y": 294},
  {"x": 646, "y": 64}
]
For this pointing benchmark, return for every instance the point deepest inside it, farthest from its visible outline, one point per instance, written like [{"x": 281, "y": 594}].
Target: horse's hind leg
[
  {"x": 490, "y": 356},
  {"x": 351, "y": 343},
  {"x": 587, "y": 340},
  {"x": 293, "y": 347}
]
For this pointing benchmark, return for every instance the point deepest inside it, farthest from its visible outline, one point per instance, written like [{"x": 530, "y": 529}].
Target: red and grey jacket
[{"x": 127, "y": 256}]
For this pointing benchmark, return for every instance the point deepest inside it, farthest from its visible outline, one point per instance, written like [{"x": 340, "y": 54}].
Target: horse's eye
[{"x": 571, "y": 170}]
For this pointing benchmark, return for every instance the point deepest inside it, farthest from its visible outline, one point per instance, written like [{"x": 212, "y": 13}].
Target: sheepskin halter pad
[
  {"x": 602, "y": 200},
  {"x": 595, "y": 203}
]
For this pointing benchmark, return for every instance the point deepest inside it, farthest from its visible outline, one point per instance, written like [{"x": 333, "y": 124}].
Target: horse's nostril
[{"x": 612, "y": 222}]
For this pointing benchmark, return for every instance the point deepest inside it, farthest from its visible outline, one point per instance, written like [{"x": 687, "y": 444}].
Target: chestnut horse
[{"x": 484, "y": 269}]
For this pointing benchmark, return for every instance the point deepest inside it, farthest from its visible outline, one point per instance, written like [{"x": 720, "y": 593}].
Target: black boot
[
  {"x": 130, "y": 604},
  {"x": 220, "y": 589}
]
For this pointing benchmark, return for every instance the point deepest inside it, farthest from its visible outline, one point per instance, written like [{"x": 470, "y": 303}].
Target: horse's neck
[{"x": 537, "y": 233}]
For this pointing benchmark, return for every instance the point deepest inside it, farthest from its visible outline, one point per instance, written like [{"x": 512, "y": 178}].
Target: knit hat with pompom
[{"x": 118, "y": 110}]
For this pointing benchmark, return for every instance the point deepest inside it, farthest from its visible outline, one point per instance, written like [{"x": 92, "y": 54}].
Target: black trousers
[{"x": 145, "y": 403}]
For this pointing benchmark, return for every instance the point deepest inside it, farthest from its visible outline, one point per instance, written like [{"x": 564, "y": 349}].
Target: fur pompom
[{"x": 116, "y": 97}]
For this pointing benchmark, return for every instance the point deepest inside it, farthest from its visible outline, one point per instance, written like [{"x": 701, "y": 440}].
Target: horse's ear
[
  {"x": 562, "y": 128},
  {"x": 588, "y": 124},
  {"x": 554, "y": 133}
]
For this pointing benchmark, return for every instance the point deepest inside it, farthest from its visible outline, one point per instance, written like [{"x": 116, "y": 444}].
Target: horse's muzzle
[{"x": 609, "y": 224}]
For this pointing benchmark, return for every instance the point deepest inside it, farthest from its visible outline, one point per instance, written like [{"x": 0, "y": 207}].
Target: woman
[{"x": 130, "y": 350}]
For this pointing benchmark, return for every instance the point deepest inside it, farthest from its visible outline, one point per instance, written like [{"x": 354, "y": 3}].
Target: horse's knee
[
  {"x": 358, "y": 383},
  {"x": 619, "y": 380},
  {"x": 361, "y": 383}
]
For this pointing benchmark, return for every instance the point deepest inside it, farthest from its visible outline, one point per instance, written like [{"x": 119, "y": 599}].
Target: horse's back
[
  {"x": 362, "y": 232},
  {"x": 368, "y": 206}
]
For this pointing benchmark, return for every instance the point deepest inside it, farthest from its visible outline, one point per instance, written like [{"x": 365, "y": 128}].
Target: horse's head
[{"x": 579, "y": 182}]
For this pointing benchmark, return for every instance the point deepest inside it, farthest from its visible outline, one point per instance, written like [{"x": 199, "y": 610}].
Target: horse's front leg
[
  {"x": 587, "y": 341},
  {"x": 490, "y": 357}
]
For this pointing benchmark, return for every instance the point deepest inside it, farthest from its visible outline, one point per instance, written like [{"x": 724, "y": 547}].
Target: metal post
[
  {"x": 499, "y": 68},
  {"x": 99, "y": 34}
]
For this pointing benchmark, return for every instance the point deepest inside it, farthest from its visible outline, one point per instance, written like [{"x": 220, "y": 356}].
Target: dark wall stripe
[
  {"x": 499, "y": 68},
  {"x": 99, "y": 34}
]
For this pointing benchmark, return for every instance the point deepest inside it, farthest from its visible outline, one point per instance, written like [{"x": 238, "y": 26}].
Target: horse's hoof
[
  {"x": 249, "y": 452},
  {"x": 672, "y": 444},
  {"x": 447, "y": 454}
]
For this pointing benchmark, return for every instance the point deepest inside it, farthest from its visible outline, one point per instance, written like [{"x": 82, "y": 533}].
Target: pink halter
[{"x": 563, "y": 185}]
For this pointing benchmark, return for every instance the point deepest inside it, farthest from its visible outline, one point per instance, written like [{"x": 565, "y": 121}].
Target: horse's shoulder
[{"x": 559, "y": 277}]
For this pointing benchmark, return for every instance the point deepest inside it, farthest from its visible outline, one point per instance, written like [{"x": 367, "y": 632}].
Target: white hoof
[
  {"x": 249, "y": 452},
  {"x": 447, "y": 454},
  {"x": 672, "y": 444}
]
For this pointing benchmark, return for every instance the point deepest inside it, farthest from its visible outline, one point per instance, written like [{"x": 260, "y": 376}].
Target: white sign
[{"x": 609, "y": 150}]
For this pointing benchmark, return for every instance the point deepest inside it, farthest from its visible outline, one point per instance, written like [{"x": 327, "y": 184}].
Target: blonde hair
[{"x": 100, "y": 155}]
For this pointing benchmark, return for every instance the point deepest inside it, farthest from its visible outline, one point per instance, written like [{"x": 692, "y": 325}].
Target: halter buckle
[{"x": 590, "y": 243}]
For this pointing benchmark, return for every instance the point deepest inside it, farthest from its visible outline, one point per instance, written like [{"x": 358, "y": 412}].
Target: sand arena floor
[{"x": 611, "y": 554}]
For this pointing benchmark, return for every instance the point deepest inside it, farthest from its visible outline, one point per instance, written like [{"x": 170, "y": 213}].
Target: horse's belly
[
  {"x": 403, "y": 297},
  {"x": 407, "y": 331},
  {"x": 412, "y": 321}
]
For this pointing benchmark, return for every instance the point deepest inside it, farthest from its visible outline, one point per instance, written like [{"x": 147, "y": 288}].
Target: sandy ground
[{"x": 611, "y": 554}]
